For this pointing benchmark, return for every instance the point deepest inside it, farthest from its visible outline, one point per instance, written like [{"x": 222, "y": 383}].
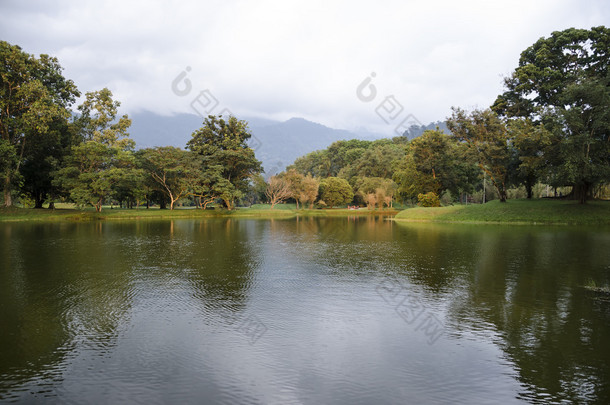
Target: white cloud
[{"x": 281, "y": 59}]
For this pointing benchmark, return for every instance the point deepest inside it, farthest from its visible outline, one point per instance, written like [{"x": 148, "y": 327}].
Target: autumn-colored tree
[
  {"x": 278, "y": 190},
  {"x": 309, "y": 190}
]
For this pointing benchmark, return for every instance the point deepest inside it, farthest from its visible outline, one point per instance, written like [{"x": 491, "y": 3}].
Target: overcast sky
[{"x": 282, "y": 59}]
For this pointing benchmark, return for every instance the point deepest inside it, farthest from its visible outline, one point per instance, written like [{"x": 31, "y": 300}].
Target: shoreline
[
  {"x": 513, "y": 212},
  {"x": 124, "y": 214}
]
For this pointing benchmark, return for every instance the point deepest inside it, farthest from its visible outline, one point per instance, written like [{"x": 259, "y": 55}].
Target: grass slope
[{"x": 515, "y": 211}]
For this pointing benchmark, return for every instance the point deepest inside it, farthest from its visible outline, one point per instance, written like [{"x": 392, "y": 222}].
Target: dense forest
[{"x": 549, "y": 130}]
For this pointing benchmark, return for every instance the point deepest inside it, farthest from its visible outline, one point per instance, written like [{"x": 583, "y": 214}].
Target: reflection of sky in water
[{"x": 289, "y": 311}]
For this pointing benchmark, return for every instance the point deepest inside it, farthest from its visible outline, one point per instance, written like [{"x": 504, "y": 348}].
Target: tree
[
  {"x": 209, "y": 186},
  {"x": 104, "y": 159},
  {"x": 295, "y": 182},
  {"x": 379, "y": 160},
  {"x": 173, "y": 169},
  {"x": 91, "y": 172},
  {"x": 98, "y": 121},
  {"x": 335, "y": 191},
  {"x": 441, "y": 157},
  {"x": 33, "y": 93},
  {"x": 486, "y": 136},
  {"x": 376, "y": 190},
  {"x": 223, "y": 143},
  {"x": 529, "y": 141},
  {"x": 44, "y": 154},
  {"x": 278, "y": 190},
  {"x": 309, "y": 190},
  {"x": 411, "y": 182},
  {"x": 318, "y": 163},
  {"x": 563, "y": 82}
]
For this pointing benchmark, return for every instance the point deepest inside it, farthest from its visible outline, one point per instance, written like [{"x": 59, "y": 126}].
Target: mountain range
[{"x": 277, "y": 144}]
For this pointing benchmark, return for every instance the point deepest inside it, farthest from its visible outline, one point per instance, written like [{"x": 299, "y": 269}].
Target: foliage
[
  {"x": 173, "y": 169},
  {"x": 96, "y": 166},
  {"x": 529, "y": 141},
  {"x": 563, "y": 82},
  {"x": 410, "y": 181},
  {"x": 429, "y": 200},
  {"x": 309, "y": 190},
  {"x": 33, "y": 94},
  {"x": 91, "y": 172},
  {"x": 278, "y": 190},
  {"x": 376, "y": 191},
  {"x": 335, "y": 191},
  {"x": 225, "y": 155},
  {"x": 295, "y": 183},
  {"x": 487, "y": 137}
]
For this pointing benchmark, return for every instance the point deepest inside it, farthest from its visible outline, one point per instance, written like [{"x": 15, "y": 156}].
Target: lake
[{"x": 303, "y": 311}]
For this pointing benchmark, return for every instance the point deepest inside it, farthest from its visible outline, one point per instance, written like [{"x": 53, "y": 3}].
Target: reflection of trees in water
[
  {"x": 61, "y": 285},
  {"x": 528, "y": 284},
  {"x": 222, "y": 258},
  {"x": 66, "y": 287},
  {"x": 341, "y": 244}
]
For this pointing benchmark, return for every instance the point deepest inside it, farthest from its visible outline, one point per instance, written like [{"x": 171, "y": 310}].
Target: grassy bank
[
  {"x": 257, "y": 211},
  {"x": 516, "y": 212}
]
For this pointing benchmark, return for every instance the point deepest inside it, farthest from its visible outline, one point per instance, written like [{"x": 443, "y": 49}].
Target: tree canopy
[{"x": 563, "y": 83}]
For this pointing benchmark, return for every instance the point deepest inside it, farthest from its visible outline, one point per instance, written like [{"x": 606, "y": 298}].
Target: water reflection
[
  {"x": 526, "y": 285},
  {"x": 281, "y": 311}
]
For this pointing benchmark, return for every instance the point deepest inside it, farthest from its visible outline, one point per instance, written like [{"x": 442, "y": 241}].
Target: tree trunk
[
  {"x": 580, "y": 192},
  {"x": 529, "y": 189},
  {"x": 8, "y": 201},
  {"x": 163, "y": 204},
  {"x": 502, "y": 193},
  {"x": 51, "y": 205},
  {"x": 38, "y": 200}
]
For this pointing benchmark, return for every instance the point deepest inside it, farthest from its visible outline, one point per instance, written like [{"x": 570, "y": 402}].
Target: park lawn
[
  {"x": 256, "y": 211},
  {"x": 540, "y": 211}
]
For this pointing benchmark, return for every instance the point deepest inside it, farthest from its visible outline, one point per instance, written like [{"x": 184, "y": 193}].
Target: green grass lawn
[
  {"x": 515, "y": 211},
  {"x": 67, "y": 212}
]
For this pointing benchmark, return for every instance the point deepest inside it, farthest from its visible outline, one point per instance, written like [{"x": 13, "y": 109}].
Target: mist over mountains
[{"x": 277, "y": 144}]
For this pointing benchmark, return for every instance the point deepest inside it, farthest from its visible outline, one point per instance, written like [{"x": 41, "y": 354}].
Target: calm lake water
[{"x": 302, "y": 311}]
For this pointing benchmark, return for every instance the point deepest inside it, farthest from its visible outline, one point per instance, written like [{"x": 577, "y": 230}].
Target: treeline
[
  {"x": 48, "y": 153},
  {"x": 550, "y": 127}
]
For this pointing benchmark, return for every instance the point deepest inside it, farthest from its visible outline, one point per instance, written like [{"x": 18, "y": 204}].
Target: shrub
[{"x": 428, "y": 200}]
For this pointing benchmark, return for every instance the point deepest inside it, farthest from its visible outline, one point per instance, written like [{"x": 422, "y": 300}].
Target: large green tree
[
  {"x": 487, "y": 137},
  {"x": 175, "y": 171},
  {"x": 563, "y": 81},
  {"x": 222, "y": 145},
  {"x": 529, "y": 142},
  {"x": 33, "y": 94},
  {"x": 44, "y": 154},
  {"x": 448, "y": 162},
  {"x": 104, "y": 159},
  {"x": 335, "y": 191}
]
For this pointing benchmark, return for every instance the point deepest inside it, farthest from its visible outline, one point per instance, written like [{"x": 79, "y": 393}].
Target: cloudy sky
[{"x": 282, "y": 59}]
